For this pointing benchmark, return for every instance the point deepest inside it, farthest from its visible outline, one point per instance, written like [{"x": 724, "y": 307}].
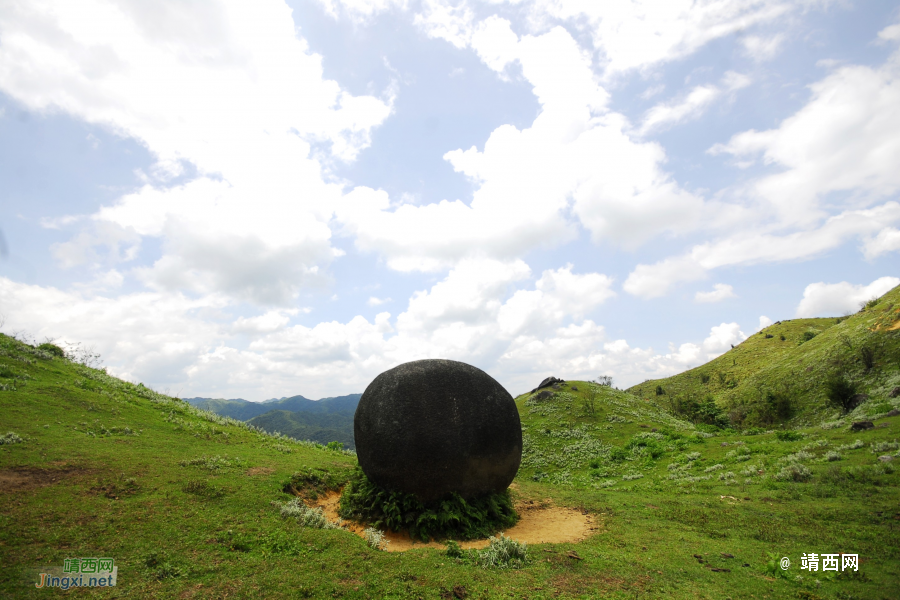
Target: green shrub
[
  {"x": 52, "y": 349},
  {"x": 450, "y": 516},
  {"x": 453, "y": 550},
  {"x": 704, "y": 378},
  {"x": 840, "y": 390},
  {"x": 504, "y": 553},
  {"x": 617, "y": 454},
  {"x": 336, "y": 446},
  {"x": 788, "y": 436},
  {"x": 808, "y": 335},
  {"x": 793, "y": 472}
]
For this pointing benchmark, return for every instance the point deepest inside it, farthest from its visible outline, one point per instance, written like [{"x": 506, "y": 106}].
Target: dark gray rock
[
  {"x": 894, "y": 392},
  {"x": 862, "y": 425},
  {"x": 886, "y": 458},
  {"x": 550, "y": 381},
  {"x": 892, "y": 413},
  {"x": 543, "y": 395},
  {"x": 857, "y": 399},
  {"x": 431, "y": 427}
]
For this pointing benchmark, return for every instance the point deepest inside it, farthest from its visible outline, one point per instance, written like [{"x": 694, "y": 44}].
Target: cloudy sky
[{"x": 260, "y": 198}]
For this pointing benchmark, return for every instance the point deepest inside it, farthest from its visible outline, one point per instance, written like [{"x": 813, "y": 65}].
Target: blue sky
[{"x": 268, "y": 198}]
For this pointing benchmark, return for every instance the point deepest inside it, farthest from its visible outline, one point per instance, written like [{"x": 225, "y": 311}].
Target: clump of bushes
[
  {"x": 840, "y": 390},
  {"x": 793, "y": 472},
  {"x": 504, "y": 553},
  {"x": 304, "y": 515},
  {"x": 309, "y": 482},
  {"x": 788, "y": 436},
  {"x": 450, "y": 516},
  {"x": 52, "y": 349}
]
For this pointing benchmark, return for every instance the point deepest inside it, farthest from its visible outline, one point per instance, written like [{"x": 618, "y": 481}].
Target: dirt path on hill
[{"x": 540, "y": 523}]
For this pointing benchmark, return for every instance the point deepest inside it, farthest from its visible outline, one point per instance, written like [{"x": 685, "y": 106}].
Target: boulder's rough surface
[
  {"x": 862, "y": 426},
  {"x": 431, "y": 427}
]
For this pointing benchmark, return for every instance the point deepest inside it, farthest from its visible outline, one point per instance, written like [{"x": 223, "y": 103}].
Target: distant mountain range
[{"x": 322, "y": 421}]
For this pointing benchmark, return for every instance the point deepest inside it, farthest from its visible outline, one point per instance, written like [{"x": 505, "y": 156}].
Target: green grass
[
  {"x": 192, "y": 505},
  {"x": 794, "y": 373}
]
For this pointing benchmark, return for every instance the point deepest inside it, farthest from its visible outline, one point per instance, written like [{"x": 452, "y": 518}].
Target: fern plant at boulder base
[{"x": 449, "y": 517}]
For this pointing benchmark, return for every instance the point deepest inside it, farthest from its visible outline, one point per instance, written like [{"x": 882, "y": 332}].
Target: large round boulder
[{"x": 431, "y": 427}]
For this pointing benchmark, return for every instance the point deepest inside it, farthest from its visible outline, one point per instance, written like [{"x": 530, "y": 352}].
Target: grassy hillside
[
  {"x": 317, "y": 427},
  {"x": 323, "y": 421},
  {"x": 794, "y": 373},
  {"x": 91, "y": 466}
]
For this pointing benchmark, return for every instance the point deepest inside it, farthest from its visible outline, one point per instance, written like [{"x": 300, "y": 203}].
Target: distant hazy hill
[
  {"x": 793, "y": 371},
  {"x": 325, "y": 420},
  {"x": 318, "y": 427}
]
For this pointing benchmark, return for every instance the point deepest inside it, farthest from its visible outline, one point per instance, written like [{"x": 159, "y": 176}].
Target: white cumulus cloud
[
  {"x": 830, "y": 299},
  {"x": 720, "y": 291}
]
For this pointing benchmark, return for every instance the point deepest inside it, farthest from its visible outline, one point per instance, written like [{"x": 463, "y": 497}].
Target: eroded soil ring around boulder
[{"x": 539, "y": 523}]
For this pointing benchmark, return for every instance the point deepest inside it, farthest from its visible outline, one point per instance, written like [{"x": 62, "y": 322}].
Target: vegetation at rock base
[{"x": 449, "y": 517}]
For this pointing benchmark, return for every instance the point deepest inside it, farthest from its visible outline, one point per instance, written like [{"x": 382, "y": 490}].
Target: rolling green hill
[
  {"x": 323, "y": 421},
  {"x": 797, "y": 372},
  {"x": 317, "y": 427},
  {"x": 190, "y": 504}
]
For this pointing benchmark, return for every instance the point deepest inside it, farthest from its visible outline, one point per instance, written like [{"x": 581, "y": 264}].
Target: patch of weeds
[
  {"x": 692, "y": 456},
  {"x": 161, "y": 567},
  {"x": 793, "y": 472},
  {"x": 203, "y": 489},
  {"x": 833, "y": 456},
  {"x": 305, "y": 516},
  {"x": 880, "y": 447},
  {"x": 10, "y": 438},
  {"x": 453, "y": 550},
  {"x": 504, "y": 553},
  {"x": 772, "y": 567},
  {"x": 451, "y": 516},
  {"x": 310, "y": 482},
  {"x": 375, "y": 539},
  {"x": 788, "y": 436},
  {"x": 215, "y": 463},
  {"x": 856, "y": 445},
  {"x": 617, "y": 454},
  {"x": 632, "y": 476},
  {"x": 123, "y": 486},
  {"x": 716, "y": 467},
  {"x": 335, "y": 446}
]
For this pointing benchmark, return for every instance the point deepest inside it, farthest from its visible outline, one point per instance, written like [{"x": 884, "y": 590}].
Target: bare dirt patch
[
  {"x": 541, "y": 523},
  {"x": 21, "y": 479},
  {"x": 259, "y": 471}
]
